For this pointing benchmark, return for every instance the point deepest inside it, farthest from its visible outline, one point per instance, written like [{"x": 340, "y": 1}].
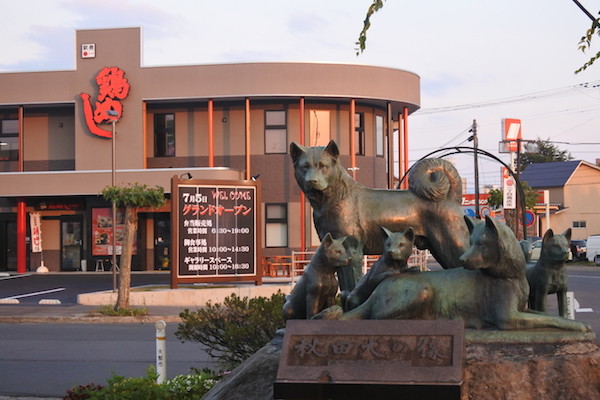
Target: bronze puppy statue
[
  {"x": 394, "y": 261},
  {"x": 317, "y": 287},
  {"x": 344, "y": 207},
  {"x": 549, "y": 274},
  {"x": 491, "y": 292}
]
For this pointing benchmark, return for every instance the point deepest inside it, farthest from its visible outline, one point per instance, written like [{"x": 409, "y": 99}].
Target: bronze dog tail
[{"x": 435, "y": 179}]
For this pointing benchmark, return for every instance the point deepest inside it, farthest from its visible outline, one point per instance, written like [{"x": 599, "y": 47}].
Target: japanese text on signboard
[{"x": 216, "y": 230}]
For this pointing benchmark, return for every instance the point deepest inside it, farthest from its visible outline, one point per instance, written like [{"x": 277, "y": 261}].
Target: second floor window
[
  {"x": 359, "y": 129},
  {"x": 275, "y": 132},
  {"x": 9, "y": 139},
  {"x": 164, "y": 135}
]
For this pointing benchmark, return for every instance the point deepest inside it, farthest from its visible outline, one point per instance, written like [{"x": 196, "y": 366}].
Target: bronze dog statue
[
  {"x": 491, "y": 292},
  {"x": 344, "y": 207},
  {"x": 394, "y": 261},
  {"x": 549, "y": 274},
  {"x": 317, "y": 287}
]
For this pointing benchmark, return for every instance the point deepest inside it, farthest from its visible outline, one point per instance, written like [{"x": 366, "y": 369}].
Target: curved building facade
[{"x": 215, "y": 122}]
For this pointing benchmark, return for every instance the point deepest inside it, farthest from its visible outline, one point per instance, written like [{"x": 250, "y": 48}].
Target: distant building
[
  {"x": 217, "y": 122},
  {"x": 574, "y": 189}
]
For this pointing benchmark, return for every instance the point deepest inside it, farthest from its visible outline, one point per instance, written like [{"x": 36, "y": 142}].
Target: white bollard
[
  {"x": 570, "y": 305},
  {"x": 161, "y": 351}
]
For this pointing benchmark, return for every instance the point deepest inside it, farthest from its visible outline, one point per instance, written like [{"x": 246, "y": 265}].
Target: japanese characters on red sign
[{"x": 112, "y": 87}]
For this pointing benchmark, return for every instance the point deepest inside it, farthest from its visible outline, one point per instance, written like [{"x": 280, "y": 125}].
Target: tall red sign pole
[{"x": 21, "y": 234}]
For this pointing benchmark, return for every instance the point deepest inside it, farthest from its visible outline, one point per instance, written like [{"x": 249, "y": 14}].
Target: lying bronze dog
[
  {"x": 549, "y": 274},
  {"x": 343, "y": 207}
]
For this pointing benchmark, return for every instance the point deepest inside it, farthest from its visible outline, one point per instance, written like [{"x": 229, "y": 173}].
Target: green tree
[
  {"x": 546, "y": 152},
  {"x": 132, "y": 197}
]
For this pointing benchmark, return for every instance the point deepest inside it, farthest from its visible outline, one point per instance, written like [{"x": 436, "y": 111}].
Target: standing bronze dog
[
  {"x": 344, "y": 207},
  {"x": 549, "y": 274}
]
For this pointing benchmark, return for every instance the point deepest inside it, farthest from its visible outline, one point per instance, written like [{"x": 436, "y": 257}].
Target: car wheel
[{"x": 597, "y": 260}]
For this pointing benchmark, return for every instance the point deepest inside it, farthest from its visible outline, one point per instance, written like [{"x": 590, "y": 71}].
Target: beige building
[
  {"x": 574, "y": 189},
  {"x": 217, "y": 122}
]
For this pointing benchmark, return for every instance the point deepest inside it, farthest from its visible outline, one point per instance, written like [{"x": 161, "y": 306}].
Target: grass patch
[{"x": 110, "y": 311}]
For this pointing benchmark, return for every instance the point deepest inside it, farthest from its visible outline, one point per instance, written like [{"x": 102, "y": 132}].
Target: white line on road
[
  {"x": 14, "y": 276},
  {"x": 584, "y": 276},
  {"x": 34, "y": 294}
]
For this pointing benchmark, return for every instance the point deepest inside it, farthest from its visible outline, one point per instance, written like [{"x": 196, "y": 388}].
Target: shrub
[
  {"x": 181, "y": 387},
  {"x": 235, "y": 330}
]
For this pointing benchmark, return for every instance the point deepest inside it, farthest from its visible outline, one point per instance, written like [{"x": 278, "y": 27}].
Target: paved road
[
  {"x": 47, "y": 359},
  {"x": 31, "y": 288}
]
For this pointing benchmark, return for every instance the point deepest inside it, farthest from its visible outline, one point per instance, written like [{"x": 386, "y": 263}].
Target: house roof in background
[{"x": 551, "y": 174}]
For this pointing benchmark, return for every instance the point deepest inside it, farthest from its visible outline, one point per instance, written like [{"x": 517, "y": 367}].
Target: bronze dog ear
[
  {"x": 567, "y": 234},
  {"x": 332, "y": 149},
  {"x": 548, "y": 235},
  {"x": 470, "y": 223},
  {"x": 327, "y": 240},
  {"x": 490, "y": 224},
  {"x": 410, "y": 234},
  {"x": 385, "y": 233},
  {"x": 296, "y": 151}
]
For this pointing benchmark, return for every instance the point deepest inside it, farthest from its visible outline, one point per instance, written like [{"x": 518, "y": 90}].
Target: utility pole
[{"x": 473, "y": 138}]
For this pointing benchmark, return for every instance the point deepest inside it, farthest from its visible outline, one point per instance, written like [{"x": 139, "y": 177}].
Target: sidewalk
[
  {"x": 163, "y": 304},
  {"x": 82, "y": 314}
]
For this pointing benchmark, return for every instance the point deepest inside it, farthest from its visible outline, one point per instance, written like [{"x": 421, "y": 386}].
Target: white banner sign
[
  {"x": 509, "y": 189},
  {"x": 36, "y": 232}
]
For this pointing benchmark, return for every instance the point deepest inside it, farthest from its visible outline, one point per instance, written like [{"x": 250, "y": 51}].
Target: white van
[{"x": 593, "y": 249}]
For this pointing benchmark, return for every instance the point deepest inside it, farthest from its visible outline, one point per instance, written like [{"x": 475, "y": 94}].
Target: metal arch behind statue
[{"x": 464, "y": 149}]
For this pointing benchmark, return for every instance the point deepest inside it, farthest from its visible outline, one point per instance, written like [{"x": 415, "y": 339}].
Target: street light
[{"x": 114, "y": 117}]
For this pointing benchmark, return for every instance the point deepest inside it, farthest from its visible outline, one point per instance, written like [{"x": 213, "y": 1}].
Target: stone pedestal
[
  {"x": 553, "y": 365},
  {"x": 528, "y": 366}
]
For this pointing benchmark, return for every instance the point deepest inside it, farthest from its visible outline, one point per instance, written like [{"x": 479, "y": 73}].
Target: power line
[{"x": 568, "y": 90}]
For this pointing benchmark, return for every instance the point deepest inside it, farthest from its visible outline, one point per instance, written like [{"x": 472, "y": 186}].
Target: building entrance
[
  {"x": 162, "y": 240},
  {"x": 8, "y": 242},
  {"x": 71, "y": 242}
]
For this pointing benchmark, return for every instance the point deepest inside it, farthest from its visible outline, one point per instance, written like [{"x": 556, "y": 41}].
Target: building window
[
  {"x": 276, "y": 225},
  {"x": 579, "y": 224},
  {"x": 164, "y": 135},
  {"x": 379, "y": 135},
  {"x": 319, "y": 127},
  {"x": 9, "y": 139},
  {"x": 359, "y": 133},
  {"x": 275, "y": 132}
]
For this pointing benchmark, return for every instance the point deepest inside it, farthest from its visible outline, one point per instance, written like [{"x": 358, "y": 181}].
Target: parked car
[
  {"x": 536, "y": 251},
  {"x": 578, "y": 249},
  {"x": 593, "y": 249}
]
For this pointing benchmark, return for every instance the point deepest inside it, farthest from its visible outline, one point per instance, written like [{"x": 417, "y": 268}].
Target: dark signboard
[{"x": 216, "y": 231}]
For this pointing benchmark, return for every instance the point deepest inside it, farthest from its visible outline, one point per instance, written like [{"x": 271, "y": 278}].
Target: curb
[{"x": 88, "y": 319}]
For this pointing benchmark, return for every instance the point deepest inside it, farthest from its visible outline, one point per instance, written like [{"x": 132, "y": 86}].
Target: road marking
[
  {"x": 9, "y": 301},
  {"x": 34, "y": 294},
  {"x": 49, "y": 301},
  {"x": 584, "y": 276},
  {"x": 14, "y": 276}
]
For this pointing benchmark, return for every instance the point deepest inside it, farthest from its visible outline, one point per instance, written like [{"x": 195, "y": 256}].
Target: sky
[{"x": 478, "y": 60}]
